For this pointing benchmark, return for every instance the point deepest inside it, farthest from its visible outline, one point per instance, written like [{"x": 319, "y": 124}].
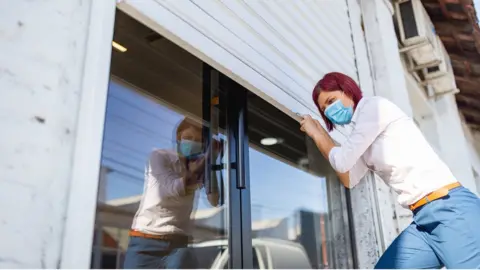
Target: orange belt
[
  {"x": 166, "y": 237},
  {"x": 435, "y": 195}
]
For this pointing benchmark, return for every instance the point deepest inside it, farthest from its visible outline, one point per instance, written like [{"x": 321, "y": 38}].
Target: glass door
[
  {"x": 198, "y": 172},
  {"x": 298, "y": 209},
  {"x": 169, "y": 193}
]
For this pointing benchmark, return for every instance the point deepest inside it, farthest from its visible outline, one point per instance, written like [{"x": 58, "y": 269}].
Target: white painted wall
[
  {"x": 441, "y": 124},
  {"x": 453, "y": 144},
  {"x": 42, "y": 79},
  {"x": 387, "y": 68},
  {"x": 473, "y": 145}
]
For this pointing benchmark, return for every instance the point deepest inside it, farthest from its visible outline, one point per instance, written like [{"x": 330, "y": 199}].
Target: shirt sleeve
[
  {"x": 373, "y": 117},
  {"x": 358, "y": 171},
  {"x": 169, "y": 182}
]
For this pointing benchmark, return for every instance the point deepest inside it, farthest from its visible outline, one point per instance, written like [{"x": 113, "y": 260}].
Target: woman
[
  {"x": 162, "y": 226},
  {"x": 446, "y": 216}
]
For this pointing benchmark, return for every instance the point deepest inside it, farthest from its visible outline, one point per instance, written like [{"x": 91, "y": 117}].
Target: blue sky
[{"x": 136, "y": 124}]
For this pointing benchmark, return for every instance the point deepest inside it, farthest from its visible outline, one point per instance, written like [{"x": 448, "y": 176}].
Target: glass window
[
  {"x": 297, "y": 213},
  {"x": 162, "y": 200}
]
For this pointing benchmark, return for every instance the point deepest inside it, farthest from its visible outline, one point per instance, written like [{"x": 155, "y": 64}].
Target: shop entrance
[{"x": 261, "y": 197}]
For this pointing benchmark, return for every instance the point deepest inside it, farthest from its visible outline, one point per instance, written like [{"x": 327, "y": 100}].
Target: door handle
[{"x": 241, "y": 150}]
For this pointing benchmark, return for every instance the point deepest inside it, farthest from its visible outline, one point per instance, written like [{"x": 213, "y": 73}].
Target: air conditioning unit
[
  {"x": 417, "y": 33},
  {"x": 441, "y": 77}
]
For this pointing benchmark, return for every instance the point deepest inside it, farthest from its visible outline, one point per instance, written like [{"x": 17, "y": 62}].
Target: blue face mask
[
  {"x": 338, "y": 113},
  {"x": 188, "y": 148}
]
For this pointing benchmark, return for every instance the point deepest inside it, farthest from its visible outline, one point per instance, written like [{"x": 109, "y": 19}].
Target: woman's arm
[
  {"x": 370, "y": 120},
  {"x": 319, "y": 135},
  {"x": 213, "y": 196},
  {"x": 325, "y": 144},
  {"x": 344, "y": 179},
  {"x": 168, "y": 182},
  {"x": 323, "y": 141}
]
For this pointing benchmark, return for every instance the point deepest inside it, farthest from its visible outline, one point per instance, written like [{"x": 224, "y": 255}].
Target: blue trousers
[
  {"x": 146, "y": 253},
  {"x": 444, "y": 232}
]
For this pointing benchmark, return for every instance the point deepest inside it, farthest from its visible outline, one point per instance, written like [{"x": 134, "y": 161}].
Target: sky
[{"x": 136, "y": 124}]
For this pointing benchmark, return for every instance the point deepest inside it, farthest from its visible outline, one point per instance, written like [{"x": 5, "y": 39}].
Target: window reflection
[{"x": 161, "y": 200}]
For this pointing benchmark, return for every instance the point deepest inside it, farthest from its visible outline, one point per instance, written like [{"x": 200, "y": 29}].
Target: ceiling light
[
  {"x": 303, "y": 162},
  {"x": 118, "y": 47},
  {"x": 269, "y": 141}
]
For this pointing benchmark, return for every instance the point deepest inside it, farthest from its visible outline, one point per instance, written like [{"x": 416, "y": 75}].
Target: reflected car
[{"x": 268, "y": 253}]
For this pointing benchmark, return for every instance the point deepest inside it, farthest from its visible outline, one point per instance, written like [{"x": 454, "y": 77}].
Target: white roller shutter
[{"x": 277, "y": 49}]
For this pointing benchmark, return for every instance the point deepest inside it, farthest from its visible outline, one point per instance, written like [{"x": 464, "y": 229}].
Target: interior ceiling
[{"x": 457, "y": 25}]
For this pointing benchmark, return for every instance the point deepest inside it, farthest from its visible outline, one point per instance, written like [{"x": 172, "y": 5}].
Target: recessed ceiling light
[
  {"x": 269, "y": 141},
  {"x": 303, "y": 161},
  {"x": 118, "y": 47}
]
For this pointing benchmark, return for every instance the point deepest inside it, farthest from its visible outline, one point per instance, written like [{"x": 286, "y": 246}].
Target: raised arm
[
  {"x": 325, "y": 144},
  {"x": 161, "y": 173},
  {"x": 372, "y": 119}
]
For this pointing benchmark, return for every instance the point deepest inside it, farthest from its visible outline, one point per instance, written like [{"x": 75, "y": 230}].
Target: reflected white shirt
[
  {"x": 385, "y": 140},
  {"x": 165, "y": 207}
]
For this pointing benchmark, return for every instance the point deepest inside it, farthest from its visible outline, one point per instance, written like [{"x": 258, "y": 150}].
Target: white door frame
[{"x": 82, "y": 200}]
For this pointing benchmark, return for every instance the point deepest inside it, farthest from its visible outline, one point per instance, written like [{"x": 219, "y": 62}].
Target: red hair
[{"x": 332, "y": 82}]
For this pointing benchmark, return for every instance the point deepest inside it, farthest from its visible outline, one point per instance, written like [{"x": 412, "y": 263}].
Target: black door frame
[
  {"x": 239, "y": 213},
  {"x": 234, "y": 98}
]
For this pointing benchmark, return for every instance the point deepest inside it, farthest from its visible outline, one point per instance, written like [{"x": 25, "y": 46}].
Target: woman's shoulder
[
  {"x": 163, "y": 154},
  {"x": 378, "y": 102},
  {"x": 376, "y": 105}
]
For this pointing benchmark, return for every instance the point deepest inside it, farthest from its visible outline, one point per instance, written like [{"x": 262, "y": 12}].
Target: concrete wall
[
  {"x": 473, "y": 145},
  {"x": 44, "y": 56},
  {"x": 454, "y": 146}
]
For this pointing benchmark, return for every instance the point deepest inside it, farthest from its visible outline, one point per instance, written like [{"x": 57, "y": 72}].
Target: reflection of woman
[
  {"x": 162, "y": 225},
  {"x": 446, "y": 221}
]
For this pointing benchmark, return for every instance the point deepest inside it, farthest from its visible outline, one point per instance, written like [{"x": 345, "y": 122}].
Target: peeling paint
[
  {"x": 10, "y": 261},
  {"x": 6, "y": 71},
  {"x": 367, "y": 246},
  {"x": 39, "y": 119}
]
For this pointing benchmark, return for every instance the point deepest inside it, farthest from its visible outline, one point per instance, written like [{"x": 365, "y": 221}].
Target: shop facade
[{"x": 110, "y": 81}]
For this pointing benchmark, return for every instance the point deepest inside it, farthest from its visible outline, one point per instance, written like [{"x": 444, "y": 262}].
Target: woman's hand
[
  {"x": 310, "y": 126},
  {"x": 195, "y": 172}
]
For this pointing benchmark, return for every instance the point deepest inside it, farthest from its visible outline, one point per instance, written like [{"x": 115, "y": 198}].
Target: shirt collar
[
  {"x": 171, "y": 154},
  {"x": 357, "y": 109}
]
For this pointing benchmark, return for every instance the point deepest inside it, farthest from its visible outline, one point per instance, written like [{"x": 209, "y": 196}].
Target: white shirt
[
  {"x": 165, "y": 207},
  {"x": 385, "y": 140}
]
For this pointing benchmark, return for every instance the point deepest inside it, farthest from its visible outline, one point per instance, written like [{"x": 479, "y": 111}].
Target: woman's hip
[
  {"x": 444, "y": 232},
  {"x": 156, "y": 253},
  {"x": 458, "y": 211}
]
